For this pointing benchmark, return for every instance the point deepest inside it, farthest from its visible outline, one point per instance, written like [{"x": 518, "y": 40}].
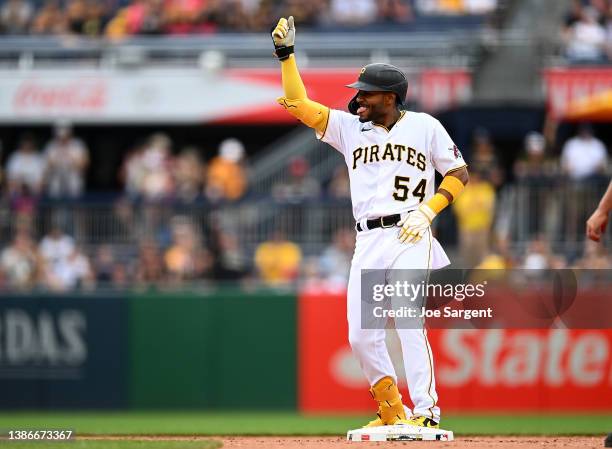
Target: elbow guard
[{"x": 309, "y": 112}]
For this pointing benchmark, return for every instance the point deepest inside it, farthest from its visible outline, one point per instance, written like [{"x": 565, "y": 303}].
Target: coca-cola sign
[{"x": 61, "y": 97}]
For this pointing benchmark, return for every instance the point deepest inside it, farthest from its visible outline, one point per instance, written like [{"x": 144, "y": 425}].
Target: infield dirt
[{"x": 502, "y": 442}]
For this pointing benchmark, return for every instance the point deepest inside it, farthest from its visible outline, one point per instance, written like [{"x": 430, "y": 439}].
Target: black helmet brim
[{"x": 360, "y": 85}]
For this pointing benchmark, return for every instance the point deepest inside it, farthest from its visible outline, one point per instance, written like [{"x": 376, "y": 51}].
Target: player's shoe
[
  {"x": 421, "y": 421},
  {"x": 390, "y": 408},
  {"x": 375, "y": 422},
  {"x": 392, "y": 422}
]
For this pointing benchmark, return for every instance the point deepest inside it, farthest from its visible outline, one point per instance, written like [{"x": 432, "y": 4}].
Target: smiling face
[{"x": 375, "y": 106}]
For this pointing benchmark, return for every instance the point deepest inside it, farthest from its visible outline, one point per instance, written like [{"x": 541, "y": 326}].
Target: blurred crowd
[
  {"x": 187, "y": 256},
  {"x": 150, "y": 171},
  {"x": 587, "y": 31},
  {"x": 119, "y": 18},
  {"x": 183, "y": 219},
  {"x": 547, "y": 209},
  {"x": 148, "y": 242}
]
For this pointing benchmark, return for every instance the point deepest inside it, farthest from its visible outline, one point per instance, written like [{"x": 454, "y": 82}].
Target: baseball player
[
  {"x": 392, "y": 156},
  {"x": 597, "y": 222}
]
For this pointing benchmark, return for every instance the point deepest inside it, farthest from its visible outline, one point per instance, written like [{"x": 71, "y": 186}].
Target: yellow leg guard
[{"x": 390, "y": 407}]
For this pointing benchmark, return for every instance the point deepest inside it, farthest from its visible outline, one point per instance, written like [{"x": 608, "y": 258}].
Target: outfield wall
[
  {"x": 151, "y": 350},
  {"x": 236, "y": 350}
]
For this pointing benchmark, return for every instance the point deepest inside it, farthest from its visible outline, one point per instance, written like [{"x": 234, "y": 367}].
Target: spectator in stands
[
  {"x": 226, "y": 177},
  {"x": 586, "y": 38},
  {"x": 340, "y": 187},
  {"x": 67, "y": 159},
  {"x": 499, "y": 258},
  {"x": 76, "y": 16},
  {"x": 278, "y": 260},
  {"x": 85, "y": 17},
  {"x": 230, "y": 262},
  {"x": 183, "y": 16},
  {"x": 20, "y": 262},
  {"x": 538, "y": 177},
  {"x": 306, "y": 14},
  {"x": 150, "y": 265},
  {"x": 15, "y": 16},
  {"x": 121, "y": 277},
  {"x": 475, "y": 210},
  {"x": 573, "y": 15},
  {"x": 56, "y": 246},
  {"x": 398, "y": 11},
  {"x": 131, "y": 173},
  {"x": 484, "y": 158},
  {"x": 479, "y": 7},
  {"x": 353, "y": 12},
  {"x": 50, "y": 19},
  {"x": 439, "y": 6},
  {"x": 299, "y": 186},
  {"x": 139, "y": 17},
  {"x": 104, "y": 263},
  {"x": 25, "y": 168},
  {"x": 154, "y": 168},
  {"x": 186, "y": 258},
  {"x": 533, "y": 165},
  {"x": 584, "y": 156},
  {"x": 258, "y": 13},
  {"x": 335, "y": 262},
  {"x": 71, "y": 272},
  {"x": 125, "y": 220},
  {"x": 231, "y": 15},
  {"x": 538, "y": 255},
  {"x": 188, "y": 174}
]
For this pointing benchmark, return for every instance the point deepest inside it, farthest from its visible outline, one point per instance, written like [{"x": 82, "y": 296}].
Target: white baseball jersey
[{"x": 391, "y": 171}]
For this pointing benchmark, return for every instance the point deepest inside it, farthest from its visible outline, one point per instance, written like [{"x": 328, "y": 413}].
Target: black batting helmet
[{"x": 380, "y": 77}]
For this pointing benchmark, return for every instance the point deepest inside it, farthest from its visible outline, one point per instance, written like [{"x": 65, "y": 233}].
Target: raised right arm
[{"x": 295, "y": 100}]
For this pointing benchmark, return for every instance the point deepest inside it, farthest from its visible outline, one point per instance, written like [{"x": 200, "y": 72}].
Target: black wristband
[{"x": 283, "y": 53}]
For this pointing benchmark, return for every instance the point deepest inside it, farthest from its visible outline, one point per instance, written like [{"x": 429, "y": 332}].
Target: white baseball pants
[{"x": 380, "y": 249}]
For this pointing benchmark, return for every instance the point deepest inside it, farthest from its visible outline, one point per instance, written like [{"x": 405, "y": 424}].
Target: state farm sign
[
  {"x": 476, "y": 369},
  {"x": 60, "y": 96},
  {"x": 523, "y": 358}
]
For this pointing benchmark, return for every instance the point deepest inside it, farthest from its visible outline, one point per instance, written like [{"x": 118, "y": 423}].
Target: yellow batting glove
[{"x": 415, "y": 224}]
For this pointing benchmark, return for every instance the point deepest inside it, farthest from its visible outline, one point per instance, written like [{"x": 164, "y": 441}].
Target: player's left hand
[
  {"x": 596, "y": 225},
  {"x": 415, "y": 224}
]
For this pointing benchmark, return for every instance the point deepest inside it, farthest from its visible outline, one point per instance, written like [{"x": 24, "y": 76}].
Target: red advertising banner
[
  {"x": 566, "y": 85},
  {"x": 476, "y": 369},
  {"x": 170, "y": 95},
  {"x": 443, "y": 88},
  {"x": 433, "y": 90}
]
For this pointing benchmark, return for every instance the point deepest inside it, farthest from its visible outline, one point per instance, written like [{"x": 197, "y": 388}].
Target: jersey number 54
[{"x": 402, "y": 191}]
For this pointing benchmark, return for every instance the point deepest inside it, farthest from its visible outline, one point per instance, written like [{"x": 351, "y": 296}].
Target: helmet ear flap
[{"x": 353, "y": 105}]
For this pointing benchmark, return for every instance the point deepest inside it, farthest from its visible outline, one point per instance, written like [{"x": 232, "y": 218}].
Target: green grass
[
  {"x": 211, "y": 423},
  {"x": 123, "y": 444}
]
